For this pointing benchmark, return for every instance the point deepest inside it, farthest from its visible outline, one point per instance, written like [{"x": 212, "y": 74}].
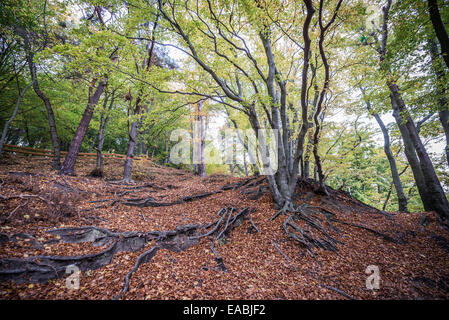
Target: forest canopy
[{"x": 356, "y": 89}]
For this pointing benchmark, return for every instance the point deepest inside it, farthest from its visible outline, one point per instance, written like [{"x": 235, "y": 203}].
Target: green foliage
[{"x": 72, "y": 46}]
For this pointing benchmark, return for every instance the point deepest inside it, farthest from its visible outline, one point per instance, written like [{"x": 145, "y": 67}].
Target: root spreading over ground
[{"x": 173, "y": 235}]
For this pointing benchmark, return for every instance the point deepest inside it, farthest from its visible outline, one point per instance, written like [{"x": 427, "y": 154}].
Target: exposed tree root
[
  {"x": 143, "y": 258},
  {"x": 288, "y": 207},
  {"x": 149, "y": 185},
  {"x": 276, "y": 246},
  {"x": 18, "y": 236},
  {"x": 43, "y": 268},
  {"x": 309, "y": 184},
  {"x": 253, "y": 225},
  {"x": 150, "y": 201},
  {"x": 338, "y": 291},
  {"x": 218, "y": 258},
  {"x": 304, "y": 226},
  {"x": 377, "y": 233},
  {"x": 256, "y": 193},
  {"x": 25, "y": 196},
  {"x": 97, "y": 173},
  {"x": 424, "y": 221}
]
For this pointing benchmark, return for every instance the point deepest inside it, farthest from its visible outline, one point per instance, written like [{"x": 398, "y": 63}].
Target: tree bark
[
  {"x": 56, "y": 163},
  {"x": 131, "y": 143},
  {"x": 402, "y": 199},
  {"x": 441, "y": 91},
  {"x": 68, "y": 167},
  {"x": 412, "y": 159},
  {"x": 305, "y": 173},
  {"x": 434, "y": 199},
  {"x": 199, "y": 141},
  {"x": 439, "y": 28},
  {"x": 101, "y": 132},
  {"x": 434, "y": 189},
  {"x": 444, "y": 119}
]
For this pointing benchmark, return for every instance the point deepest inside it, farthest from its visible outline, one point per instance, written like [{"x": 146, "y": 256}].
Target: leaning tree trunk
[
  {"x": 436, "y": 197},
  {"x": 56, "y": 164},
  {"x": 7, "y": 124},
  {"x": 435, "y": 191},
  {"x": 412, "y": 159},
  {"x": 440, "y": 29},
  {"x": 402, "y": 199},
  {"x": 131, "y": 144},
  {"x": 428, "y": 184},
  {"x": 68, "y": 167}
]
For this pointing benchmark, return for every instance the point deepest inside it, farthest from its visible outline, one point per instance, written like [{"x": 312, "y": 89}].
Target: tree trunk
[
  {"x": 439, "y": 28},
  {"x": 199, "y": 141},
  {"x": 441, "y": 85},
  {"x": 402, "y": 199},
  {"x": 435, "y": 191},
  {"x": 305, "y": 173},
  {"x": 412, "y": 159},
  {"x": 131, "y": 143},
  {"x": 244, "y": 164},
  {"x": 98, "y": 171},
  {"x": 323, "y": 29},
  {"x": 68, "y": 167},
  {"x": 444, "y": 119},
  {"x": 7, "y": 124},
  {"x": 56, "y": 164},
  {"x": 434, "y": 197}
]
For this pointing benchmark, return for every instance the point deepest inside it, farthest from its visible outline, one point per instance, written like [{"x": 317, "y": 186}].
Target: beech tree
[
  {"x": 261, "y": 88},
  {"x": 435, "y": 197}
]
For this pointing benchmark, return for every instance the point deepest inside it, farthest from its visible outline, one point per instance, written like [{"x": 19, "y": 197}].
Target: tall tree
[
  {"x": 402, "y": 199},
  {"x": 323, "y": 30},
  {"x": 435, "y": 193},
  {"x": 104, "y": 119},
  {"x": 95, "y": 92},
  {"x": 440, "y": 29},
  {"x": 96, "y": 87},
  {"x": 25, "y": 34},
  {"x": 263, "y": 75}
]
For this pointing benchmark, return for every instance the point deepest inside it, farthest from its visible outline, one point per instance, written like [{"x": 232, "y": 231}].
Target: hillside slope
[{"x": 253, "y": 257}]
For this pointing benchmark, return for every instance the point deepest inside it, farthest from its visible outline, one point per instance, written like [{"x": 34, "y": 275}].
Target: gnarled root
[
  {"x": 43, "y": 268},
  {"x": 304, "y": 226}
]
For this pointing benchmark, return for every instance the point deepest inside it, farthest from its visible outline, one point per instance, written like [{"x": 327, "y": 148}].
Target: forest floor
[{"x": 256, "y": 260}]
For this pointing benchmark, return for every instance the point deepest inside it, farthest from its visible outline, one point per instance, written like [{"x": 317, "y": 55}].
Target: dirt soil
[{"x": 412, "y": 258}]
